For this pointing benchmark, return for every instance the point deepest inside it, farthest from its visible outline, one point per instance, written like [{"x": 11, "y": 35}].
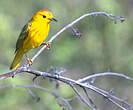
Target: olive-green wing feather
[{"x": 23, "y": 35}]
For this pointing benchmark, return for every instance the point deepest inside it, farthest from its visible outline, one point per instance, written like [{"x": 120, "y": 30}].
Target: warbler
[{"x": 32, "y": 35}]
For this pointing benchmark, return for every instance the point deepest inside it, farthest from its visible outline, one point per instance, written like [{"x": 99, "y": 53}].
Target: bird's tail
[{"x": 16, "y": 62}]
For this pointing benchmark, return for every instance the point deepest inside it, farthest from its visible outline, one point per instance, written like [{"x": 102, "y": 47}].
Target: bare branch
[
  {"x": 104, "y": 74},
  {"x": 117, "y": 104},
  {"x": 33, "y": 95},
  {"x": 66, "y": 101},
  {"x": 86, "y": 85},
  {"x": 72, "y": 82},
  {"x": 12, "y": 73},
  {"x": 90, "y": 100},
  {"x": 110, "y": 16},
  {"x": 82, "y": 98}
]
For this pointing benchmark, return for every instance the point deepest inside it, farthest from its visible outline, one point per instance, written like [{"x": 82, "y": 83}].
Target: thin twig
[
  {"x": 117, "y": 104},
  {"x": 33, "y": 95},
  {"x": 82, "y": 98},
  {"x": 66, "y": 101},
  {"x": 91, "y": 101},
  {"x": 110, "y": 16},
  {"x": 104, "y": 74}
]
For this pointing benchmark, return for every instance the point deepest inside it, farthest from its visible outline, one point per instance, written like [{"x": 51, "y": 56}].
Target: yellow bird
[{"x": 32, "y": 35}]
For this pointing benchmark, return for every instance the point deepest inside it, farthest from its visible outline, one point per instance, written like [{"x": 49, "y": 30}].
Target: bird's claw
[
  {"x": 30, "y": 62},
  {"x": 48, "y": 45}
]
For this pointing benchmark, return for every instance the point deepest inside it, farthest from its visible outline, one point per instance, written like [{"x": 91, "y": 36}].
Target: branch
[
  {"x": 65, "y": 100},
  {"x": 104, "y": 74},
  {"x": 33, "y": 95},
  {"x": 90, "y": 100},
  {"x": 86, "y": 85},
  {"x": 82, "y": 98},
  {"x": 110, "y": 16}
]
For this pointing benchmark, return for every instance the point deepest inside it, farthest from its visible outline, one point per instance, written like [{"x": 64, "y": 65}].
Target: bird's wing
[{"x": 23, "y": 35}]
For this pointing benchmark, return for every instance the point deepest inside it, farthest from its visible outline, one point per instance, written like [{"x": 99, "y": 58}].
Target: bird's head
[{"x": 43, "y": 16}]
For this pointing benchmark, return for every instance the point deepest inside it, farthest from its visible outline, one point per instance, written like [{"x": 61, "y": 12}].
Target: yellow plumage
[{"x": 32, "y": 35}]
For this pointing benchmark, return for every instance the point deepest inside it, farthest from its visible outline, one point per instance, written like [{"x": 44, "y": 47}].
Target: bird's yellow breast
[{"x": 37, "y": 34}]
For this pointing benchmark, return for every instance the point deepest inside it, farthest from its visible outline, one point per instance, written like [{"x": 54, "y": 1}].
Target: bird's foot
[
  {"x": 48, "y": 45},
  {"x": 30, "y": 62}
]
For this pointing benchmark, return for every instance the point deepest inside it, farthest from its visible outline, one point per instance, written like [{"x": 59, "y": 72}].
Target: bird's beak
[{"x": 52, "y": 19}]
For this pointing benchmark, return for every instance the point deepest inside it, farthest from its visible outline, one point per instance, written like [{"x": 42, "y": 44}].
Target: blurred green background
[{"x": 104, "y": 46}]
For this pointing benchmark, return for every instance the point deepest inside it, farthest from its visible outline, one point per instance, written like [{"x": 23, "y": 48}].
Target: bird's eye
[{"x": 44, "y": 16}]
